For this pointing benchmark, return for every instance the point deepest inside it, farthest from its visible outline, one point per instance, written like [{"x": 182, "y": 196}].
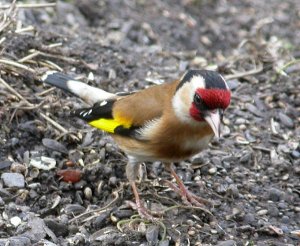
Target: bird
[{"x": 169, "y": 122}]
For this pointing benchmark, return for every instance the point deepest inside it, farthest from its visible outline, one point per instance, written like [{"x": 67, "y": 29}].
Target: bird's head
[{"x": 201, "y": 96}]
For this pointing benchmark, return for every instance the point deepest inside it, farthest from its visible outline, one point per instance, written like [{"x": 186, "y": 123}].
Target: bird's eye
[{"x": 197, "y": 99}]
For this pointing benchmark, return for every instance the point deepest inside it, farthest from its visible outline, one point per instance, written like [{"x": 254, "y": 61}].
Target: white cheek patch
[
  {"x": 180, "y": 105},
  {"x": 183, "y": 98},
  {"x": 197, "y": 82}
]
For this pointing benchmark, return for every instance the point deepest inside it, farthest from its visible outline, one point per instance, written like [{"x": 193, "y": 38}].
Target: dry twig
[
  {"x": 28, "y": 104},
  {"x": 100, "y": 210},
  {"x": 16, "y": 64},
  {"x": 8, "y": 16},
  {"x": 256, "y": 70}
]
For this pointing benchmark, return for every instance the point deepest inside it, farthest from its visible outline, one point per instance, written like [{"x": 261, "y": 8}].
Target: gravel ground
[{"x": 64, "y": 183}]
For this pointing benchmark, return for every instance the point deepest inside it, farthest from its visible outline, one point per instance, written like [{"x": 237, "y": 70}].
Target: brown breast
[{"x": 174, "y": 143}]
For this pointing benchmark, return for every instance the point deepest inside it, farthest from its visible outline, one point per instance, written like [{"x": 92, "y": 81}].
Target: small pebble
[
  {"x": 245, "y": 228},
  {"x": 249, "y": 218},
  {"x": 201, "y": 61},
  {"x": 74, "y": 209},
  {"x": 152, "y": 233},
  {"x": 212, "y": 170},
  {"x": 233, "y": 84},
  {"x": 227, "y": 243},
  {"x": 5, "y": 164},
  {"x": 240, "y": 121},
  {"x": 54, "y": 145},
  {"x": 112, "y": 74},
  {"x": 15, "y": 221},
  {"x": 285, "y": 229},
  {"x": 296, "y": 233},
  {"x": 254, "y": 110},
  {"x": 13, "y": 180},
  {"x": 295, "y": 154},
  {"x": 18, "y": 168},
  {"x": 275, "y": 194},
  {"x": 43, "y": 162},
  {"x": 191, "y": 232},
  {"x": 102, "y": 154},
  {"x": 286, "y": 120},
  {"x": 164, "y": 243},
  {"x": 123, "y": 213},
  {"x": 58, "y": 228},
  {"x": 112, "y": 180},
  {"x": 282, "y": 205},
  {"x": 285, "y": 219},
  {"x": 101, "y": 220},
  {"x": 14, "y": 141},
  {"x": 285, "y": 177},
  {"x": 79, "y": 185},
  {"x": 88, "y": 194},
  {"x": 16, "y": 241},
  {"x": 262, "y": 212},
  {"x": 297, "y": 169},
  {"x": 142, "y": 227},
  {"x": 225, "y": 131},
  {"x": 273, "y": 210}
]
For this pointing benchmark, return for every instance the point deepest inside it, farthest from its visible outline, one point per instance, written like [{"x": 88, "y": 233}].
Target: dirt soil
[{"x": 64, "y": 183}]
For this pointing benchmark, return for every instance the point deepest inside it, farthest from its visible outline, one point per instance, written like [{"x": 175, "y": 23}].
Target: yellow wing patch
[{"x": 109, "y": 125}]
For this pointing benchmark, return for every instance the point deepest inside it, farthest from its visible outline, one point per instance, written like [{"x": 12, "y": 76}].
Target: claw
[
  {"x": 187, "y": 196},
  {"x": 138, "y": 206},
  {"x": 143, "y": 212}
]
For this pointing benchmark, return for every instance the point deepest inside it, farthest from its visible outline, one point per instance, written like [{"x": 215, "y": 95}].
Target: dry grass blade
[
  {"x": 8, "y": 17},
  {"x": 16, "y": 64},
  {"x": 100, "y": 210},
  {"x": 246, "y": 73},
  {"x": 28, "y": 104},
  {"x": 24, "y": 59},
  {"x": 25, "y": 29}
]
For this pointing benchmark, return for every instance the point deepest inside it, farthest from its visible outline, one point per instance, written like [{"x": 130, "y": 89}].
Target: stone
[
  {"x": 152, "y": 234},
  {"x": 227, "y": 243},
  {"x": 5, "y": 164},
  {"x": 43, "y": 162},
  {"x": 15, "y": 221},
  {"x": 59, "y": 229},
  {"x": 286, "y": 120},
  {"x": 13, "y": 180},
  {"x": 275, "y": 194}
]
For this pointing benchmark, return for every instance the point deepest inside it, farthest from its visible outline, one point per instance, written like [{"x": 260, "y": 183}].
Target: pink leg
[
  {"x": 132, "y": 168},
  {"x": 143, "y": 212},
  {"x": 188, "y": 197}
]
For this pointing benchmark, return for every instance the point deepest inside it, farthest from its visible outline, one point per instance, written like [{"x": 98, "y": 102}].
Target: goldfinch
[{"x": 169, "y": 122}]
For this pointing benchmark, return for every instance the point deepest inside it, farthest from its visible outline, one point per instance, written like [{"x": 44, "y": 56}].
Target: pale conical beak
[{"x": 213, "y": 119}]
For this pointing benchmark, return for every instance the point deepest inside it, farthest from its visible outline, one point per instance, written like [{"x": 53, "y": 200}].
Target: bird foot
[
  {"x": 188, "y": 197},
  {"x": 142, "y": 211}
]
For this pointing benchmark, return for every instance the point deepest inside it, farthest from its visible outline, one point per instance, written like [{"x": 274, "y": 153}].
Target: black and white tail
[{"x": 87, "y": 93}]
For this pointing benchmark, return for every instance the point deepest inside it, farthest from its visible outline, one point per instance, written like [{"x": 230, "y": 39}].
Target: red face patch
[
  {"x": 195, "y": 113},
  {"x": 215, "y": 98},
  {"x": 211, "y": 99}
]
